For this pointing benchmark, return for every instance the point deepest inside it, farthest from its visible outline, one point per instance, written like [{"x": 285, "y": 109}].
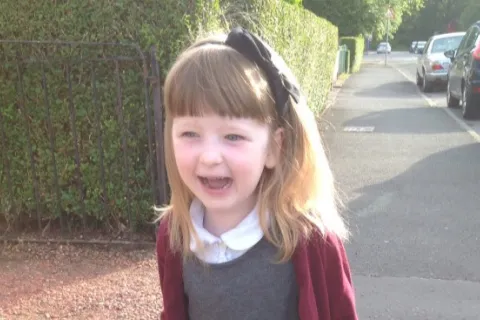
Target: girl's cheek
[
  {"x": 241, "y": 149},
  {"x": 185, "y": 151},
  {"x": 235, "y": 153}
]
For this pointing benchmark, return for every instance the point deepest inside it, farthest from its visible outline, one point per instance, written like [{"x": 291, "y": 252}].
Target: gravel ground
[{"x": 52, "y": 281}]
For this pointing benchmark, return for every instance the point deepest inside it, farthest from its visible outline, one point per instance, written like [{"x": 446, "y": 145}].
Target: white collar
[{"x": 245, "y": 235}]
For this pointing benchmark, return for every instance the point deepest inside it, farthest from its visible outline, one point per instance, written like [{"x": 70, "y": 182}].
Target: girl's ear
[{"x": 275, "y": 149}]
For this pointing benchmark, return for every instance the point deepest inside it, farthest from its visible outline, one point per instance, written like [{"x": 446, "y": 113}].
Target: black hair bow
[{"x": 253, "y": 49}]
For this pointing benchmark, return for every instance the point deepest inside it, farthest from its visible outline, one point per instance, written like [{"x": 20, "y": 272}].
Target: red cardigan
[{"x": 321, "y": 268}]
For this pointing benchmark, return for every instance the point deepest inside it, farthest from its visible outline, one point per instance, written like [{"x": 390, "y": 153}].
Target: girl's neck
[{"x": 219, "y": 222}]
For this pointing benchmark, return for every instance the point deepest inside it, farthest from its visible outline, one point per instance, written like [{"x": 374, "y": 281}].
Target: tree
[
  {"x": 294, "y": 2},
  {"x": 355, "y": 17},
  {"x": 438, "y": 16},
  {"x": 342, "y": 13},
  {"x": 377, "y": 17},
  {"x": 470, "y": 14}
]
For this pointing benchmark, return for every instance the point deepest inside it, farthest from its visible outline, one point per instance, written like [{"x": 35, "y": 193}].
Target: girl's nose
[{"x": 211, "y": 156}]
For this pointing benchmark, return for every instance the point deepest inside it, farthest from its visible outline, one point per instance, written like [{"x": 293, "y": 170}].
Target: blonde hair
[{"x": 298, "y": 193}]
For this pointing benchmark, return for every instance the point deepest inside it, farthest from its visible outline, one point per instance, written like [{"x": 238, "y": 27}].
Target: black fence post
[{"x": 159, "y": 131}]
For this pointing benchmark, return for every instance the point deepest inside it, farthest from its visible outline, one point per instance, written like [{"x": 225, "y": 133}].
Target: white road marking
[
  {"x": 432, "y": 103},
  {"x": 359, "y": 129}
]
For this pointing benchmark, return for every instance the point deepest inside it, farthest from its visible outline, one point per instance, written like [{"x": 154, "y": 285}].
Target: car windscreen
[{"x": 445, "y": 44}]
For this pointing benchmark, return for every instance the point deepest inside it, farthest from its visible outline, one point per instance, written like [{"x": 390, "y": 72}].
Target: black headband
[{"x": 254, "y": 50}]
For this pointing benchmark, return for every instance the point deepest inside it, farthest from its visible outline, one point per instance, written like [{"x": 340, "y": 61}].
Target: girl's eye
[
  {"x": 233, "y": 137},
  {"x": 189, "y": 134}
]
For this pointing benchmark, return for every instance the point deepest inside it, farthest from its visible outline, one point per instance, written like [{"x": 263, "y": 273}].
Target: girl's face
[{"x": 221, "y": 159}]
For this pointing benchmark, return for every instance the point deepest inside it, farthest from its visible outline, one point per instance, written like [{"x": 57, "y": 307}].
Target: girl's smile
[{"x": 216, "y": 186}]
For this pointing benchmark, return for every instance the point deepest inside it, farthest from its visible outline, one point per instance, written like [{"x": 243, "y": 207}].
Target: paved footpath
[{"x": 409, "y": 175}]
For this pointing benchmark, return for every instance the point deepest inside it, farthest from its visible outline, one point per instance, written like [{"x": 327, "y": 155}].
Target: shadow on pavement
[
  {"x": 423, "y": 222},
  {"x": 394, "y": 90}
]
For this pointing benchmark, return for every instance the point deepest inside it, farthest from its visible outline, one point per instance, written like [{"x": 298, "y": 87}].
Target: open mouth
[{"x": 216, "y": 183}]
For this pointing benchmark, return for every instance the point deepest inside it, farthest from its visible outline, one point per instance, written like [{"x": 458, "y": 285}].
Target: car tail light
[
  {"x": 476, "y": 52},
  {"x": 437, "y": 66}
]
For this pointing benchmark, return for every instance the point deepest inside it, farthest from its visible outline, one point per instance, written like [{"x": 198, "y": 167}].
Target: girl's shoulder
[
  {"x": 325, "y": 246},
  {"x": 162, "y": 237},
  {"x": 323, "y": 263},
  {"x": 162, "y": 227}
]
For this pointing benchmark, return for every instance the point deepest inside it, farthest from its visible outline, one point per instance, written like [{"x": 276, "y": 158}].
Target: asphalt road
[
  {"x": 409, "y": 175},
  {"x": 406, "y": 63}
]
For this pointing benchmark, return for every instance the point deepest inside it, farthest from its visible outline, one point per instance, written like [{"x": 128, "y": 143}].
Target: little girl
[{"x": 252, "y": 230}]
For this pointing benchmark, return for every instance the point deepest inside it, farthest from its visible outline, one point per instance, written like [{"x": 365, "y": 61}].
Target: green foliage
[
  {"x": 470, "y": 14},
  {"x": 377, "y": 15},
  {"x": 356, "y": 45},
  {"x": 436, "y": 16},
  {"x": 363, "y": 16},
  {"x": 167, "y": 24},
  {"x": 307, "y": 43},
  {"x": 342, "y": 13},
  {"x": 294, "y": 2}
]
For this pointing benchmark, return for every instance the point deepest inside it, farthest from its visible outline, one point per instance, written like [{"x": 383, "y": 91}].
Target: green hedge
[
  {"x": 167, "y": 24},
  {"x": 307, "y": 43},
  {"x": 356, "y": 45}
]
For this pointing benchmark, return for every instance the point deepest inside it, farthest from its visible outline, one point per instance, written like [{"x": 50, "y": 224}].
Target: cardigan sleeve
[
  {"x": 171, "y": 278},
  {"x": 338, "y": 279}
]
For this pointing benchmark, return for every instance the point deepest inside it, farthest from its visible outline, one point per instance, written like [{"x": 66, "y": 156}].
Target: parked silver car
[
  {"x": 432, "y": 65},
  {"x": 384, "y": 47},
  {"x": 419, "y": 46},
  {"x": 412, "y": 47}
]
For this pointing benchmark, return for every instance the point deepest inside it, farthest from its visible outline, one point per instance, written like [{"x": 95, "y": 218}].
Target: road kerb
[{"x": 432, "y": 103}]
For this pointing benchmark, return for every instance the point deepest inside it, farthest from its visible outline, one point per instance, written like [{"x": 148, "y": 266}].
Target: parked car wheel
[
  {"x": 468, "y": 104},
  {"x": 419, "y": 80},
  {"x": 426, "y": 85},
  {"x": 452, "y": 102}
]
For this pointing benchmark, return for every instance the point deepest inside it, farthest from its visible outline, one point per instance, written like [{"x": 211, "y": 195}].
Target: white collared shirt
[{"x": 230, "y": 245}]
